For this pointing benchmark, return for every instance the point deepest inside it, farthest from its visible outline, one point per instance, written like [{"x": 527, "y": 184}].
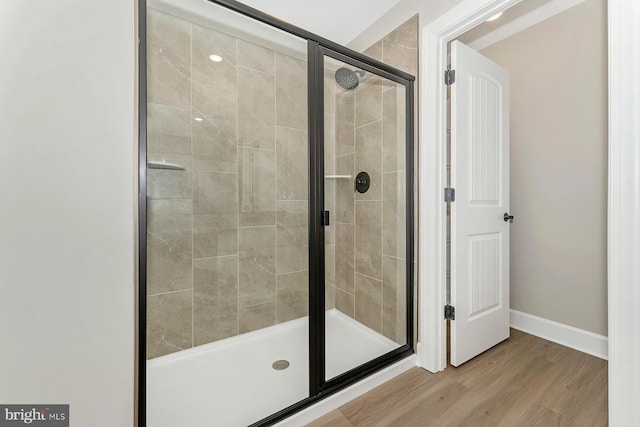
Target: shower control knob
[{"x": 362, "y": 182}]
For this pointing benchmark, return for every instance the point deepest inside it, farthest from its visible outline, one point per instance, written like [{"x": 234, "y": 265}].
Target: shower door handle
[{"x": 324, "y": 217}]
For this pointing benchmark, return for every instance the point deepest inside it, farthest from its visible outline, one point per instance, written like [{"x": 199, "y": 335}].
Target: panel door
[{"x": 480, "y": 175}]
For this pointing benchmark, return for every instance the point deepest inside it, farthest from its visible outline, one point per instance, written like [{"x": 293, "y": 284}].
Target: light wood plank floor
[{"x": 524, "y": 381}]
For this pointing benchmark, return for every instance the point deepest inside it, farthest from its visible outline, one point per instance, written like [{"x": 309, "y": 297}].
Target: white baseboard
[
  {"x": 340, "y": 398},
  {"x": 568, "y": 336}
]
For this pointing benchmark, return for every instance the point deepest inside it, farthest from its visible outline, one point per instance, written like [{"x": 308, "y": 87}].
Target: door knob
[{"x": 508, "y": 218}]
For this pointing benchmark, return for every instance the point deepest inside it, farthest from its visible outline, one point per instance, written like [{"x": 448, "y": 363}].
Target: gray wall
[{"x": 558, "y": 71}]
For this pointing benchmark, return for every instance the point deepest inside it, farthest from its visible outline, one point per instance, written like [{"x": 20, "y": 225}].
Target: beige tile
[
  {"x": 217, "y": 104},
  {"x": 214, "y": 319},
  {"x": 395, "y": 271},
  {"x": 215, "y": 192},
  {"x": 215, "y": 298},
  {"x": 292, "y": 168},
  {"x": 368, "y": 239},
  {"x": 299, "y": 279},
  {"x": 329, "y": 296},
  {"x": 393, "y": 126},
  {"x": 400, "y": 47},
  {"x": 214, "y": 144},
  {"x": 394, "y": 214},
  {"x": 168, "y": 261},
  {"x": 293, "y": 236},
  {"x": 257, "y": 257},
  {"x": 345, "y": 302},
  {"x": 329, "y": 144},
  {"x": 168, "y": 129},
  {"x": 375, "y": 50},
  {"x": 368, "y": 101},
  {"x": 329, "y": 91},
  {"x": 256, "y": 103},
  {"x": 330, "y": 262},
  {"x": 368, "y": 158},
  {"x": 291, "y": 92},
  {"x": 345, "y": 193},
  {"x": 368, "y": 300},
  {"x": 169, "y": 215},
  {"x": 293, "y": 296},
  {"x": 256, "y": 57},
  {"x": 257, "y": 185},
  {"x": 215, "y": 235},
  {"x": 345, "y": 123},
  {"x": 205, "y": 42},
  {"x": 257, "y": 317},
  {"x": 394, "y": 293},
  {"x": 215, "y": 277},
  {"x": 168, "y": 60},
  {"x": 169, "y": 250},
  {"x": 168, "y": 323},
  {"x": 330, "y": 204},
  {"x": 344, "y": 257},
  {"x": 169, "y": 184}
]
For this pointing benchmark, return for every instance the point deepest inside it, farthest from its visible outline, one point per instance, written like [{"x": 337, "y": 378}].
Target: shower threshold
[{"x": 232, "y": 382}]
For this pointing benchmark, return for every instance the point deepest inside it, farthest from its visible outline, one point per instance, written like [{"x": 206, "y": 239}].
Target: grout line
[
  {"x": 291, "y": 128},
  {"x": 275, "y": 167},
  {"x": 382, "y": 202},
  {"x": 215, "y": 257},
  {"x": 237, "y": 331},
  {"x": 353, "y": 172},
  {"x": 193, "y": 181},
  {"x": 246, "y": 67},
  {"x": 368, "y": 277},
  {"x": 170, "y": 292},
  {"x": 252, "y": 148},
  {"x": 260, "y": 303},
  {"x": 368, "y": 123},
  {"x": 257, "y": 226}
]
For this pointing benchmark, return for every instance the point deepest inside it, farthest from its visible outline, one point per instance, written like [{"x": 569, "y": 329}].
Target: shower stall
[{"x": 276, "y": 216}]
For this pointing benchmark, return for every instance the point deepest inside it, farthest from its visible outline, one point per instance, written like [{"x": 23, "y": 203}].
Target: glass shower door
[
  {"x": 365, "y": 194},
  {"x": 227, "y": 213}
]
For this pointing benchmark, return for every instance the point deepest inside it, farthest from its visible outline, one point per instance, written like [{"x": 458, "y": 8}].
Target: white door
[{"x": 480, "y": 176}]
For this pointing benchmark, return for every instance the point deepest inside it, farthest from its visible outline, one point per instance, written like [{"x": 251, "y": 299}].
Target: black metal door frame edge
[{"x": 318, "y": 47}]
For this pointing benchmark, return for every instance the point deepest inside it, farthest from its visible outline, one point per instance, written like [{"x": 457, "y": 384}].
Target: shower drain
[{"x": 279, "y": 365}]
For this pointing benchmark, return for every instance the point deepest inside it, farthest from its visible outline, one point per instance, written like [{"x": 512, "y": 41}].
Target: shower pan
[{"x": 276, "y": 216}]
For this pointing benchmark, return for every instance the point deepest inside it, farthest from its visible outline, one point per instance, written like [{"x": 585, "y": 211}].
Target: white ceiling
[
  {"x": 337, "y": 20},
  {"x": 515, "y": 19}
]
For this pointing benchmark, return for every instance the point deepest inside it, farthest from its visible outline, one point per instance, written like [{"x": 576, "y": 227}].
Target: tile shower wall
[
  {"x": 227, "y": 236},
  {"x": 370, "y": 245}
]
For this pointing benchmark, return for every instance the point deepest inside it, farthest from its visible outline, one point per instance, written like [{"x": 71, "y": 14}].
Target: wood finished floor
[{"x": 524, "y": 381}]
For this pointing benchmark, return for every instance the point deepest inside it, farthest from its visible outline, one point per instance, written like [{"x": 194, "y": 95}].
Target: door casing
[{"x": 623, "y": 189}]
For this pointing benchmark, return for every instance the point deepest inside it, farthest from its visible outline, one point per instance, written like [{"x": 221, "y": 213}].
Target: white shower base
[{"x": 231, "y": 382}]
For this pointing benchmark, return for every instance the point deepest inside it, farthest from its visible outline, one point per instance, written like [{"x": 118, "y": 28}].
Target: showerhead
[{"x": 347, "y": 79}]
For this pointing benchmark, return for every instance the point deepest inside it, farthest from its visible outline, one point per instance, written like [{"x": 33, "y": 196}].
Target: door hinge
[
  {"x": 325, "y": 218},
  {"x": 449, "y": 195},
  {"x": 449, "y": 312},
  {"x": 449, "y": 77}
]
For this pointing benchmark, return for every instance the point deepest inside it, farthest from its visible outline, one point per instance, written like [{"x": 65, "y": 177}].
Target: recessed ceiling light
[
  {"x": 215, "y": 58},
  {"x": 198, "y": 119},
  {"x": 494, "y": 17}
]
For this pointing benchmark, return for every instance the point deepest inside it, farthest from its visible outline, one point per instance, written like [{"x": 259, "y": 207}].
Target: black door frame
[{"x": 318, "y": 48}]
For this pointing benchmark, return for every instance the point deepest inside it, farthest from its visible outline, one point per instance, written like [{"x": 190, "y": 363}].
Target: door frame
[{"x": 623, "y": 228}]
